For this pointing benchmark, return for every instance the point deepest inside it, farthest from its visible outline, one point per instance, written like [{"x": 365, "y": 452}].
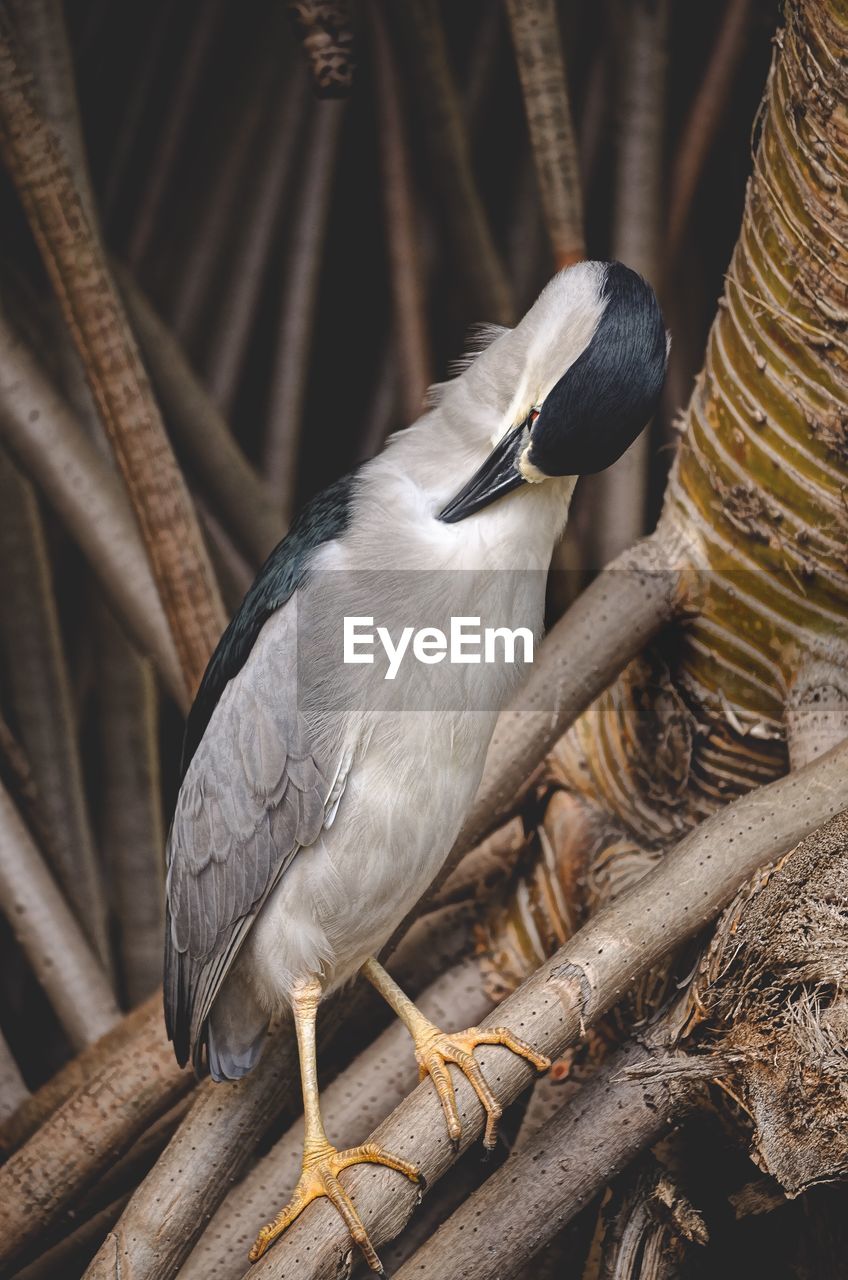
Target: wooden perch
[
  {"x": 580, "y": 983},
  {"x": 541, "y": 1188},
  {"x": 544, "y": 85},
  {"x": 201, "y": 436},
  {"x": 74, "y": 259},
  {"x": 51, "y": 939},
  {"x": 83, "y": 1137},
  {"x": 354, "y": 1103},
  {"x": 55, "y": 451},
  {"x": 215, "y": 1142}
]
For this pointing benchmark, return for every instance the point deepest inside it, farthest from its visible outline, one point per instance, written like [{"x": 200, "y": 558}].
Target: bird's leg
[
  {"x": 322, "y": 1163},
  {"x": 434, "y": 1049}
]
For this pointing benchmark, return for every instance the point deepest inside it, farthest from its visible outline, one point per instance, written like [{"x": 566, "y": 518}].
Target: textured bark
[
  {"x": 544, "y": 84},
  {"x": 130, "y": 1036},
  {"x": 201, "y": 436},
  {"x": 325, "y": 28},
  {"x": 541, "y": 1188},
  {"x": 571, "y": 991},
  {"x": 352, "y": 1105},
  {"x": 55, "y": 452},
  {"x": 81, "y": 1139},
  {"x": 59, "y": 955},
  {"x": 75, "y": 262},
  {"x": 40, "y": 700},
  {"x": 216, "y": 1141}
]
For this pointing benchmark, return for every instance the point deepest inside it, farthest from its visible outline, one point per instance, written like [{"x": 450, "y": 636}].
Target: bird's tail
[{"x": 235, "y": 1031}]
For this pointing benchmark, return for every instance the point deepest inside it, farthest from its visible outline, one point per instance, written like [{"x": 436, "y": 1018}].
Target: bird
[{"x": 319, "y": 800}]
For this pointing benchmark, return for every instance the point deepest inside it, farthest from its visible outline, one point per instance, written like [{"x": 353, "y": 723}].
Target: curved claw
[
  {"x": 320, "y": 1178},
  {"x": 434, "y": 1048}
]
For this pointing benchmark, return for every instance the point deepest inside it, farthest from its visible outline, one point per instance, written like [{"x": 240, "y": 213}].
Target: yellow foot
[
  {"x": 320, "y": 1177},
  {"x": 435, "y": 1048}
]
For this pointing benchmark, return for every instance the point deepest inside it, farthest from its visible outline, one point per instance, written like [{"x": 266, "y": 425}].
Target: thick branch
[
  {"x": 214, "y": 1144},
  {"x": 542, "y": 1187},
  {"x": 580, "y": 983},
  {"x": 40, "y": 697},
  {"x": 59, "y": 955},
  {"x": 81, "y": 1139},
  {"x": 57, "y": 454},
  {"x": 354, "y": 1103},
  {"x": 13, "y": 1091},
  {"x": 419, "y": 27},
  {"x": 201, "y": 436},
  {"x": 75, "y": 262},
  {"x": 612, "y": 621},
  {"x": 297, "y": 317},
  {"x": 544, "y": 84}
]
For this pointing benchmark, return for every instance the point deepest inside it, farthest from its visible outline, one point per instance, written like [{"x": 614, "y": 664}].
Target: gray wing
[{"x": 253, "y": 795}]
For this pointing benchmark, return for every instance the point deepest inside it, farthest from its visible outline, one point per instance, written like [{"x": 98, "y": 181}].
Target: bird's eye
[{"x": 534, "y": 413}]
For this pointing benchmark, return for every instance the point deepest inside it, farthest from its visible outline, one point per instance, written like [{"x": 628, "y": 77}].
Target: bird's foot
[
  {"x": 320, "y": 1177},
  {"x": 435, "y": 1048}
]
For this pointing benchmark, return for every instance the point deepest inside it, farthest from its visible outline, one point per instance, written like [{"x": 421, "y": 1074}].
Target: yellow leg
[
  {"x": 434, "y": 1049},
  {"x": 322, "y": 1163}
]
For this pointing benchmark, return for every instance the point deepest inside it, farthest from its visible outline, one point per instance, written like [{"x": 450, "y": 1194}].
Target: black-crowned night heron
[{"x": 311, "y": 815}]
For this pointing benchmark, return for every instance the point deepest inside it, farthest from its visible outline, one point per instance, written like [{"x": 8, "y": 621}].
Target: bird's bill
[{"x": 498, "y": 475}]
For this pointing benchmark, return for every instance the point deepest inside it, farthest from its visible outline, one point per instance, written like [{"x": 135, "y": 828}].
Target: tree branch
[
  {"x": 75, "y": 262},
  {"x": 55, "y": 451},
  {"x": 544, "y": 84},
  {"x": 580, "y": 983},
  {"x": 51, "y": 939}
]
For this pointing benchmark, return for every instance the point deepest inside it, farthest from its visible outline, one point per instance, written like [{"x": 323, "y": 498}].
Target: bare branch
[
  {"x": 259, "y": 220},
  {"x": 580, "y": 983},
  {"x": 418, "y": 25},
  {"x": 705, "y": 116},
  {"x": 50, "y": 937},
  {"x": 542, "y": 1187},
  {"x": 297, "y": 316},
  {"x": 544, "y": 84},
  {"x": 55, "y": 451},
  {"x": 351, "y": 1106},
  {"x": 115, "y": 1106},
  {"x": 816, "y": 711},
  {"x": 75, "y": 262},
  {"x": 621, "y": 492},
  {"x": 40, "y": 698},
  {"x": 131, "y": 826},
  {"x": 402, "y": 229},
  {"x": 201, "y": 436},
  {"x": 13, "y": 1091}
]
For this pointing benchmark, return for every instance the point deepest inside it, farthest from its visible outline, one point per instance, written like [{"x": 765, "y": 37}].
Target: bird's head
[{"x": 587, "y": 376}]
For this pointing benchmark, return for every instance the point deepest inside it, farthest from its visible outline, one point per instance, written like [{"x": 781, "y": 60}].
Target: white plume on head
[{"x": 512, "y": 369}]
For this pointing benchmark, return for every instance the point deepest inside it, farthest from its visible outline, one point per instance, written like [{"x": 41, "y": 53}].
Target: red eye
[{"x": 534, "y": 413}]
